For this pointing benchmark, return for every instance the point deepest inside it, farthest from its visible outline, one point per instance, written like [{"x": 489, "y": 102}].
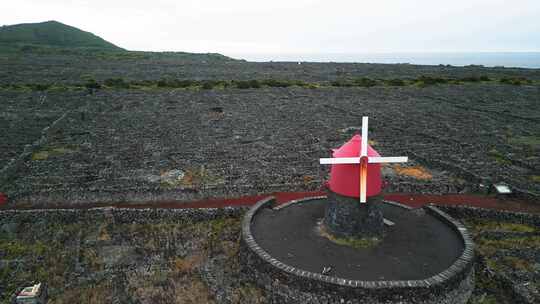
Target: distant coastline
[{"x": 488, "y": 59}]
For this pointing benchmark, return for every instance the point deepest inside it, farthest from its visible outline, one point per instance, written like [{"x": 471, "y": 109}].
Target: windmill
[{"x": 363, "y": 160}]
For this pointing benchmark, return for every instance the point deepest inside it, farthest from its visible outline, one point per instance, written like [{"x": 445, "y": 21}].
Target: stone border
[
  {"x": 454, "y": 274},
  {"x": 398, "y": 204},
  {"x": 287, "y": 204}
]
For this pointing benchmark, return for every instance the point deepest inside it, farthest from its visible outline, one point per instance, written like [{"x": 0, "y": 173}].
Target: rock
[
  {"x": 9, "y": 228},
  {"x": 152, "y": 178},
  {"x": 351, "y": 130},
  {"x": 172, "y": 177},
  {"x": 117, "y": 255}
]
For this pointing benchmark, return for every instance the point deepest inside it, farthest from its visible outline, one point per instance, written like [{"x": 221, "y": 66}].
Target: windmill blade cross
[
  {"x": 339, "y": 160},
  {"x": 356, "y": 160},
  {"x": 363, "y": 179},
  {"x": 363, "y": 160},
  {"x": 364, "y": 143},
  {"x": 391, "y": 159}
]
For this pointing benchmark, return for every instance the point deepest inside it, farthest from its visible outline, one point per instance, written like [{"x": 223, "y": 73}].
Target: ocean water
[{"x": 488, "y": 59}]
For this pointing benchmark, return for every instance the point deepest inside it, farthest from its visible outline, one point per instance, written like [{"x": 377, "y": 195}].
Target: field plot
[
  {"x": 136, "y": 145},
  {"x": 24, "y": 116},
  {"x": 191, "y": 256},
  {"x": 69, "y": 69}
]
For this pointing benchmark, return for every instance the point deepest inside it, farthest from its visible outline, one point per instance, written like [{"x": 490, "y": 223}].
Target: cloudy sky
[{"x": 295, "y": 26}]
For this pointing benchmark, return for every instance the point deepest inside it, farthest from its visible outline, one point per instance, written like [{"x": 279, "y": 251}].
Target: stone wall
[
  {"x": 116, "y": 215},
  {"x": 115, "y": 145},
  {"x": 481, "y": 213}
]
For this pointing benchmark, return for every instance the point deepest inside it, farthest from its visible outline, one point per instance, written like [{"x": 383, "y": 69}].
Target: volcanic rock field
[
  {"x": 122, "y": 128},
  {"x": 64, "y": 141}
]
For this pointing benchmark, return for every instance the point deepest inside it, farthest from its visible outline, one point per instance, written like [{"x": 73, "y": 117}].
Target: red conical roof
[{"x": 345, "y": 178}]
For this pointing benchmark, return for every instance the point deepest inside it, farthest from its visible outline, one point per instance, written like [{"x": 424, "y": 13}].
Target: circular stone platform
[{"x": 426, "y": 257}]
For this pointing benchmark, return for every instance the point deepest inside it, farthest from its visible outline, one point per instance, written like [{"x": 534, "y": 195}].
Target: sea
[{"x": 529, "y": 60}]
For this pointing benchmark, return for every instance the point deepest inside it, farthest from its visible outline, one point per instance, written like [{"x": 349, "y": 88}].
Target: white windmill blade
[
  {"x": 362, "y": 197},
  {"x": 391, "y": 159},
  {"x": 339, "y": 160},
  {"x": 363, "y": 183},
  {"x": 364, "y": 136}
]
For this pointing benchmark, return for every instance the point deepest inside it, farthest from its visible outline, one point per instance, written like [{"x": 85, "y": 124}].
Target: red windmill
[{"x": 356, "y": 169}]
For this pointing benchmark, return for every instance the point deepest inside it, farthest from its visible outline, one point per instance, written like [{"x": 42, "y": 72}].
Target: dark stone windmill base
[
  {"x": 346, "y": 217},
  {"x": 426, "y": 257}
]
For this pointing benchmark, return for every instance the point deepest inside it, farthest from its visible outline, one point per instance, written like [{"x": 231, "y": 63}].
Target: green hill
[{"x": 50, "y": 34}]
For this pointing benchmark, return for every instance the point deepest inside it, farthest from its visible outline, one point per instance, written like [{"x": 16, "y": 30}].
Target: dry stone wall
[{"x": 129, "y": 145}]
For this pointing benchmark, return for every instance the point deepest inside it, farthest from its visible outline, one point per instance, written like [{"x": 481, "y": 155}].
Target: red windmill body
[{"x": 345, "y": 178}]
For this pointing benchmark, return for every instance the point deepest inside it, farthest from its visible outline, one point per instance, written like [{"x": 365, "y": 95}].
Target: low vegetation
[
  {"x": 515, "y": 81},
  {"x": 503, "y": 259},
  {"x": 91, "y": 261},
  {"x": 102, "y": 261},
  {"x": 499, "y": 157},
  {"x": 47, "y": 152},
  {"x": 172, "y": 83}
]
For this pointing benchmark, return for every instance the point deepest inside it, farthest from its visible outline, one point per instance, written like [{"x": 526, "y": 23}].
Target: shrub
[
  {"x": 175, "y": 83},
  {"x": 142, "y": 83},
  {"x": 484, "y": 78},
  {"x": 277, "y": 83},
  {"x": 365, "y": 82},
  {"x": 116, "y": 83},
  {"x": 395, "y": 82},
  {"x": 427, "y": 80},
  {"x": 208, "y": 85},
  {"x": 92, "y": 84},
  {"x": 301, "y": 83},
  {"x": 162, "y": 83},
  {"x": 184, "y": 83},
  {"x": 39, "y": 86},
  {"x": 471, "y": 79},
  {"x": 476, "y": 78},
  {"x": 255, "y": 84},
  {"x": 342, "y": 83},
  {"x": 242, "y": 84},
  {"x": 515, "y": 80},
  {"x": 212, "y": 84}
]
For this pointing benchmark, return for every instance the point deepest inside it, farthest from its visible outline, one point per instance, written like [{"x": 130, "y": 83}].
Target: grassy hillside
[
  {"x": 52, "y": 38},
  {"x": 50, "y": 34}
]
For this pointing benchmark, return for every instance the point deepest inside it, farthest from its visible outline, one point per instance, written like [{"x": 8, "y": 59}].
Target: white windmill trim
[
  {"x": 364, "y": 142},
  {"x": 363, "y": 198},
  {"x": 339, "y": 160},
  {"x": 389, "y": 159}
]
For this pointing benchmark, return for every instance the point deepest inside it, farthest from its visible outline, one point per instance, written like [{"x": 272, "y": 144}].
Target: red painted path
[{"x": 413, "y": 200}]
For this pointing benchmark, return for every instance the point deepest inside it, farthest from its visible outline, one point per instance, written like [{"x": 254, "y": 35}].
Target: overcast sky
[{"x": 295, "y": 26}]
